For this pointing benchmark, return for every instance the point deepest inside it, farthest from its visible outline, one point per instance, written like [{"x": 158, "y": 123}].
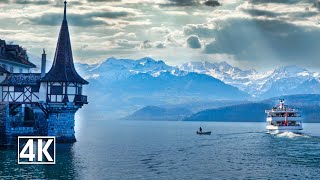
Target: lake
[{"x": 172, "y": 150}]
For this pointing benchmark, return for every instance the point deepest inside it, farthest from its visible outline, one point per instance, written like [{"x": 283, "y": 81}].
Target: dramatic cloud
[
  {"x": 37, "y": 2},
  {"x": 266, "y": 41},
  {"x": 87, "y": 19},
  {"x": 51, "y": 19},
  {"x": 274, "y": 1},
  {"x": 212, "y": 3},
  {"x": 184, "y": 2},
  {"x": 194, "y": 42},
  {"x": 259, "y": 33},
  {"x": 103, "y": 0}
]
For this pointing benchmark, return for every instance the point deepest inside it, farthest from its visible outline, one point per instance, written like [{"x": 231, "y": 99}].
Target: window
[
  {"x": 56, "y": 90},
  {"x": 20, "y": 70},
  {"x": 18, "y": 88},
  {"x": 79, "y": 90},
  {"x": 11, "y": 69},
  {"x": 34, "y": 89}
]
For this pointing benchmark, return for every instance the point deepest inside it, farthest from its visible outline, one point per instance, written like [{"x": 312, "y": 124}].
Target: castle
[{"x": 39, "y": 104}]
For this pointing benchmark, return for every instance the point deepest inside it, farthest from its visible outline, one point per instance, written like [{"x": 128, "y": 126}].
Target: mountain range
[
  {"x": 286, "y": 80},
  {"x": 123, "y": 86},
  {"x": 119, "y": 87},
  {"x": 308, "y": 104}
]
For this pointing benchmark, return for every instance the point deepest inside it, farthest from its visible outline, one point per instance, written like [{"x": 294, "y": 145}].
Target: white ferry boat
[{"x": 283, "y": 119}]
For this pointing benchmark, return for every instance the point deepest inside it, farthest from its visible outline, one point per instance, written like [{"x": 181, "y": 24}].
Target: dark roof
[
  {"x": 22, "y": 79},
  {"x": 3, "y": 70},
  {"x": 2, "y": 42},
  {"x": 12, "y": 47},
  {"x": 16, "y": 59},
  {"x": 63, "y": 68},
  {"x": 7, "y": 56}
]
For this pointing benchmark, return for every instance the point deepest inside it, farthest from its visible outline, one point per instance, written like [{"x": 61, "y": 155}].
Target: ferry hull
[{"x": 281, "y": 129}]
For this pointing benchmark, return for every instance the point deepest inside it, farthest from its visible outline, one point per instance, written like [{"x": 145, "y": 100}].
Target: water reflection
[
  {"x": 172, "y": 150},
  {"x": 63, "y": 169}
]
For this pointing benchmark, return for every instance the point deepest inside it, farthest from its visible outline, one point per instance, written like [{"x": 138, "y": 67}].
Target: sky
[{"x": 259, "y": 34}]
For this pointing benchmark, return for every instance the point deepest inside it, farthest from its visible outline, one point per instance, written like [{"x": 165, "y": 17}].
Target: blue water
[{"x": 172, "y": 150}]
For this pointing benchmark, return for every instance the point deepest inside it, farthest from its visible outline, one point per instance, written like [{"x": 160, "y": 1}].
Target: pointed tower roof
[{"x": 63, "y": 69}]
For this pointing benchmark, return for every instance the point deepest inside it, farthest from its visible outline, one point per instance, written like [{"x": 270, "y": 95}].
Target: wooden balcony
[{"x": 81, "y": 99}]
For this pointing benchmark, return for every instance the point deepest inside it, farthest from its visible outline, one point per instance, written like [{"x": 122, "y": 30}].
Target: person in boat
[{"x": 200, "y": 130}]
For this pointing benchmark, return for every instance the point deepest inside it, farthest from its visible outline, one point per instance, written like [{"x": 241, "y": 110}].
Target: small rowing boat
[{"x": 204, "y": 133}]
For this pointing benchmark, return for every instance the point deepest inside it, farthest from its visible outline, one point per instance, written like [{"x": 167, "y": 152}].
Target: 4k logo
[{"x": 36, "y": 150}]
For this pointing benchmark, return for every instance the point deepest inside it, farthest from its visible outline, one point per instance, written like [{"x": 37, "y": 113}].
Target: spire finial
[
  {"x": 65, "y": 10},
  {"x": 44, "y": 51}
]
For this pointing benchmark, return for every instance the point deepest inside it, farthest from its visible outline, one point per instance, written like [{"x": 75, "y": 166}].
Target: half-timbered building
[{"x": 40, "y": 103}]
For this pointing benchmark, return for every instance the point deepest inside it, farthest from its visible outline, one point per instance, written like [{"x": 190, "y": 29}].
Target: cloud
[
  {"x": 184, "y": 2},
  {"x": 84, "y": 46},
  {"x": 266, "y": 41},
  {"x": 34, "y": 2},
  {"x": 87, "y": 19},
  {"x": 274, "y": 1},
  {"x": 146, "y": 44},
  {"x": 258, "y": 12},
  {"x": 109, "y": 14},
  {"x": 212, "y": 3},
  {"x": 160, "y": 30},
  {"x": 40, "y": 2},
  {"x": 201, "y": 30},
  {"x": 103, "y": 0},
  {"x": 160, "y": 45},
  {"x": 124, "y": 43},
  {"x": 264, "y": 32},
  {"x": 194, "y": 42},
  {"x": 54, "y": 19}
]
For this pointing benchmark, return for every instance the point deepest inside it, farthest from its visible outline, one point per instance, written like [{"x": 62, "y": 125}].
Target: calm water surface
[{"x": 172, "y": 150}]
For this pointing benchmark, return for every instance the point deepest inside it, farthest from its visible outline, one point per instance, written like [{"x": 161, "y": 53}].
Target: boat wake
[{"x": 291, "y": 135}]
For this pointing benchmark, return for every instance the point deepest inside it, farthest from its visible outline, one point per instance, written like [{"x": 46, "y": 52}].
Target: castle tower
[{"x": 61, "y": 89}]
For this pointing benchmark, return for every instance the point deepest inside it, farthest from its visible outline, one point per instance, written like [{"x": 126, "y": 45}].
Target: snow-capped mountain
[
  {"x": 154, "y": 76},
  {"x": 290, "y": 80},
  {"x": 123, "y": 85},
  {"x": 117, "y": 69},
  {"x": 281, "y": 81},
  {"x": 223, "y": 71}
]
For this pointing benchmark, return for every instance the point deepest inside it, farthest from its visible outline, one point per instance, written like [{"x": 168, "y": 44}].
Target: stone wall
[
  {"x": 41, "y": 123},
  {"x": 22, "y": 131},
  {"x": 61, "y": 124},
  {"x": 13, "y": 126},
  {"x": 4, "y": 117}
]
